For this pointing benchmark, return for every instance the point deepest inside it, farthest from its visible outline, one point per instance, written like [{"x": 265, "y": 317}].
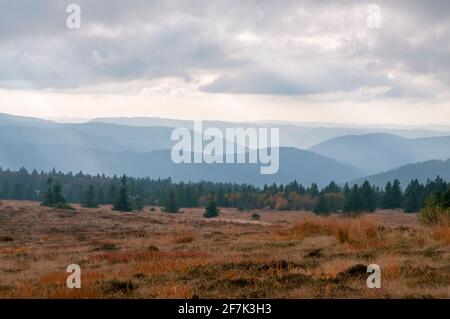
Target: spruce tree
[
  {"x": 171, "y": 204},
  {"x": 368, "y": 197},
  {"x": 322, "y": 206},
  {"x": 100, "y": 197},
  {"x": 396, "y": 195},
  {"x": 355, "y": 202},
  {"x": 332, "y": 188},
  {"x": 313, "y": 190},
  {"x": 89, "y": 198},
  {"x": 413, "y": 198},
  {"x": 122, "y": 202},
  {"x": 387, "y": 198},
  {"x": 137, "y": 203},
  {"x": 58, "y": 199},
  {"x": 47, "y": 199},
  {"x": 111, "y": 194},
  {"x": 446, "y": 199},
  {"x": 347, "y": 193},
  {"x": 211, "y": 209},
  {"x": 5, "y": 190}
]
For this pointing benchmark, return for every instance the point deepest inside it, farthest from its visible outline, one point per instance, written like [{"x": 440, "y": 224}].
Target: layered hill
[
  {"x": 421, "y": 171},
  {"x": 304, "y": 166},
  {"x": 374, "y": 153}
]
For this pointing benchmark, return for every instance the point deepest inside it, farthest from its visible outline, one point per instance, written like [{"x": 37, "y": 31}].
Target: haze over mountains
[
  {"x": 421, "y": 171},
  {"x": 141, "y": 147},
  {"x": 373, "y": 153},
  {"x": 300, "y": 135}
]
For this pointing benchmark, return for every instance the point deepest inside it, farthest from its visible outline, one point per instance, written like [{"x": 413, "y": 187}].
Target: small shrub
[
  {"x": 434, "y": 215},
  {"x": 106, "y": 247},
  {"x": 442, "y": 233},
  {"x": 183, "y": 238},
  {"x": 63, "y": 205},
  {"x": 343, "y": 235},
  {"x": 314, "y": 253},
  {"x": 6, "y": 239},
  {"x": 359, "y": 232},
  {"x": 118, "y": 286},
  {"x": 137, "y": 203},
  {"x": 153, "y": 248},
  {"x": 311, "y": 227},
  {"x": 256, "y": 216}
]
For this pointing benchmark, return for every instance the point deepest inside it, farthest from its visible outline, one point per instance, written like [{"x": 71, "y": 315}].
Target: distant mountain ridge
[
  {"x": 291, "y": 134},
  {"x": 91, "y": 135},
  {"x": 421, "y": 171},
  {"x": 6, "y": 119},
  {"x": 303, "y": 166},
  {"x": 115, "y": 148},
  {"x": 379, "y": 152}
]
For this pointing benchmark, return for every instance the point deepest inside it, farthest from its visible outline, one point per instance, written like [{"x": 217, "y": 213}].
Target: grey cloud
[
  {"x": 323, "y": 80},
  {"x": 157, "y": 39}
]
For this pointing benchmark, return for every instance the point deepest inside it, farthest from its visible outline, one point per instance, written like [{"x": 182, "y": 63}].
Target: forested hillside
[{"x": 23, "y": 185}]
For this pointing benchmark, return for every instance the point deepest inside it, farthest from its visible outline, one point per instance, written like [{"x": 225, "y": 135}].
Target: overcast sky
[{"x": 232, "y": 60}]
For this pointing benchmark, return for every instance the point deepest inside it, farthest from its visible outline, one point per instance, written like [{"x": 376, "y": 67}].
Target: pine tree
[
  {"x": 58, "y": 199},
  {"x": 446, "y": 199},
  {"x": 413, "y": 198},
  {"x": 112, "y": 194},
  {"x": 137, "y": 203},
  {"x": 332, "y": 188},
  {"x": 122, "y": 202},
  {"x": 57, "y": 194},
  {"x": 5, "y": 190},
  {"x": 387, "y": 199},
  {"x": 17, "y": 191},
  {"x": 355, "y": 202},
  {"x": 347, "y": 193},
  {"x": 322, "y": 206},
  {"x": 171, "y": 205},
  {"x": 368, "y": 197},
  {"x": 211, "y": 209},
  {"x": 100, "y": 197},
  {"x": 396, "y": 195},
  {"x": 47, "y": 199},
  {"x": 313, "y": 190},
  {"x": 89, "y": 198}
]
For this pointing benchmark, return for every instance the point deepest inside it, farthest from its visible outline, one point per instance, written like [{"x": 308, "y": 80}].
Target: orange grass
[{"x": 158, "y": 255}]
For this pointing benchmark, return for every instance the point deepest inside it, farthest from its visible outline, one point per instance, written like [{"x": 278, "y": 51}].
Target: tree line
[{"x": 93, "y": 190}]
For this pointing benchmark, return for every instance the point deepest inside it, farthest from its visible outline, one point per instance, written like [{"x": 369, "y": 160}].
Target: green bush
[{"x": 434, "y": 215}]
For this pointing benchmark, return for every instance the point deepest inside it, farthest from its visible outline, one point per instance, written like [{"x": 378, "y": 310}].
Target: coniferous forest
[{"x": 91, "y": 190}]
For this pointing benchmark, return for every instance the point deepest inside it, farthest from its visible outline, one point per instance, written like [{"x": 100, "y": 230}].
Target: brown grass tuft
[
  {"x": 183, "y": 238},
  {"x": 442, "y": 233}
]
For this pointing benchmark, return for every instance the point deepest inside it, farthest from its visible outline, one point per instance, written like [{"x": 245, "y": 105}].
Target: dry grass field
[{"x": 152, "y": 254}]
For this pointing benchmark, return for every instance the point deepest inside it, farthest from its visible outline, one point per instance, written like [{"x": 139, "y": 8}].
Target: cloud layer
[{"x": 259, "y": 47}]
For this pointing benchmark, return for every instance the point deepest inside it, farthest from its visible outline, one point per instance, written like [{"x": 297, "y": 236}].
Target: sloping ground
[{"x": 152, "y": 254}]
